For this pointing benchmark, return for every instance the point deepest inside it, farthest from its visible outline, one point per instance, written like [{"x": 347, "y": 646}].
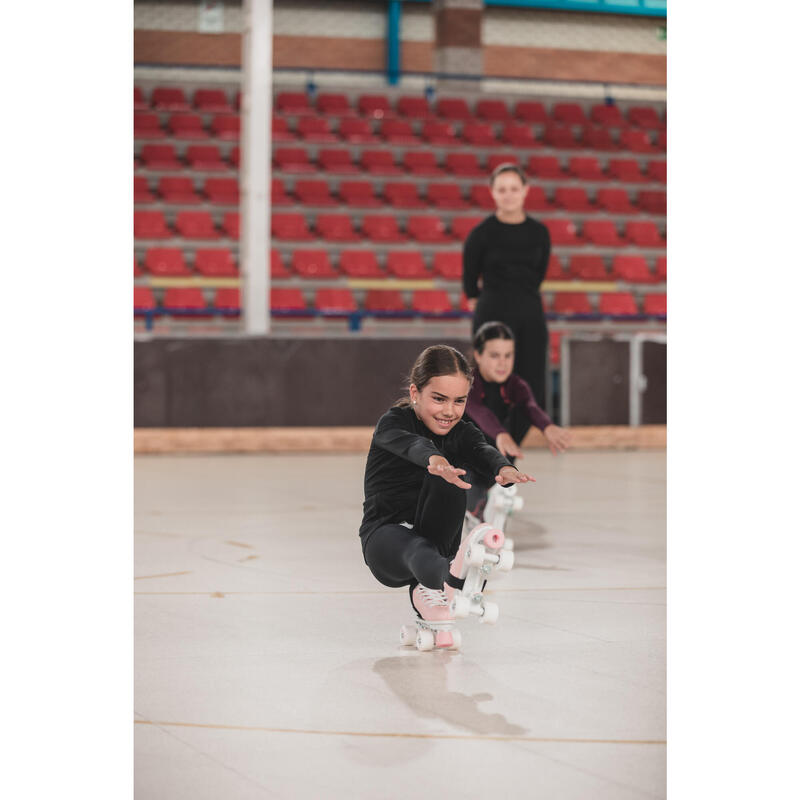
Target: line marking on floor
[
  {"x": 378, "y": 591},
  {"x": 162, "y": 575},
  {"x": 461, "y": 737}
]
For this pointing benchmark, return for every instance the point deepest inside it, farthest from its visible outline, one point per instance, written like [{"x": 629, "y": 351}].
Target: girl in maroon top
[{"x": 502, "y": 404}]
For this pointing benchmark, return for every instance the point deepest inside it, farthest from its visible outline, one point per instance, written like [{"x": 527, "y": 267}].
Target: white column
[{"x": 255, "y": 172}]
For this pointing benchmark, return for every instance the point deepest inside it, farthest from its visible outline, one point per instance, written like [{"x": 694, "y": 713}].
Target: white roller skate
[
  {"x": 501, "y": 503},
  {"x": 435, "y": 625},
  {"x": 481, "y": 553}
]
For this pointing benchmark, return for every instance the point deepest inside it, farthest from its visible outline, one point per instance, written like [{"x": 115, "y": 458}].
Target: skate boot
[
  {"x": 500, "y": 505},
  {"x": 480, "y": 553},
  {"x": 435, "y": 624}
]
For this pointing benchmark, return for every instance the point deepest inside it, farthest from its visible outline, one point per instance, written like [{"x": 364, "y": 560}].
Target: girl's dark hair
[
  {"x": 488, "y": 331},
  {"x": 432, "y": 362},
  {"x": 508, "y": 166}
]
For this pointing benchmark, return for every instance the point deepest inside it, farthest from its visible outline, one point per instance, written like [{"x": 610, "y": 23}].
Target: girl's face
[
  {"x": 509, "y": 192},
  {"x": 496, "y": 361},
  {"x": 441, "y": 402}
]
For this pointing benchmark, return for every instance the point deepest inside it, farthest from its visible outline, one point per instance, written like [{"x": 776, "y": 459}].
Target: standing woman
[{"x": 509, "y": 252}]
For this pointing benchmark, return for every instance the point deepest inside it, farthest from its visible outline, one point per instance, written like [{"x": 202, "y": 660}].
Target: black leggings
[{"x": 399, "y": 556}]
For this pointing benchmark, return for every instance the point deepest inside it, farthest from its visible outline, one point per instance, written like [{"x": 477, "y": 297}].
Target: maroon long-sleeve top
[{"x": 515, "y": 391}]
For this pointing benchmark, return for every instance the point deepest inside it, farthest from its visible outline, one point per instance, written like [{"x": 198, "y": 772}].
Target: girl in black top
[
  {"x": 414, "y": 495},
  {"x": 508, "y": 253}
]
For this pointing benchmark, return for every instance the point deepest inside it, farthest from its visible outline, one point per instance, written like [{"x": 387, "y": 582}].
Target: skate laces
[{"x": 433, "y": 597}]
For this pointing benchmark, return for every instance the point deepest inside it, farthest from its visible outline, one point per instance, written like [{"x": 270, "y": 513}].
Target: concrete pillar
[{"x": 458, "y": 42}]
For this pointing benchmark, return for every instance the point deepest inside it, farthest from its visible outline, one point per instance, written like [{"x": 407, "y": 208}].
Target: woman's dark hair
[
  {"x": 508, "y": 166},
  {"x": 432, "y": 362},
  {"x": 489, "y": 331}
]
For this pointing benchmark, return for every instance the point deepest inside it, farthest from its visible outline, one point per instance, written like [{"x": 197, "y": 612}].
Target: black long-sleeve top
[
  {"x": 398, "y": 458},
  {"x": 510, "y": 257}
]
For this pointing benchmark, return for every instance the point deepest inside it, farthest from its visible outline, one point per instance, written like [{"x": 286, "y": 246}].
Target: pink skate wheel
[
  {"x": 444, "y": 639},
  {"x": 494, "y": 539}
]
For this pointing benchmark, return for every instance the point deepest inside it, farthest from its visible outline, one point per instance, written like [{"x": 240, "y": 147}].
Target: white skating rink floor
[{"x": 268, "y": 662}]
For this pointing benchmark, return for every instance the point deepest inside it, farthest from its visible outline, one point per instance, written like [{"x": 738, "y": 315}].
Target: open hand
[
  {"x": 558, "y": 439},
  {"x": 513, "y": 475},
  {"x": 438, "y": 465},
  {"x": 507, "y": 446}
]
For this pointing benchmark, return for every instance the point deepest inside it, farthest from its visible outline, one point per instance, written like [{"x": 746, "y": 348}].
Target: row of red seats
[
  {"x": 379, "y": 106},
  {"x": 362, "y": 194},
  {"x": 385, "y": 228},
  {"x": 425, "y": 163},
  {"x": 400, "y": 132},
  {"x": 426, "y": 301},
  {"x": 318, "y": 264}
]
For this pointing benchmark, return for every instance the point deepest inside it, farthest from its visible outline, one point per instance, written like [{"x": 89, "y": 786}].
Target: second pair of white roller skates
[{"x": 501, "y": 503}]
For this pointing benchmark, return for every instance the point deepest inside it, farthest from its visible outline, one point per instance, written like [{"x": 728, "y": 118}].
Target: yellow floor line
[
  {"x": 162, "y": 575},
  {"x": 461, "y": 737}
]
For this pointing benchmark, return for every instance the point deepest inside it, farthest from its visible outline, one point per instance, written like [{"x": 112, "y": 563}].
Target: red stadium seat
[
  {"x": 626, "y": 170},
  {"x": 375, "y": 105},
  {"x": 356, "y": 131},
  {"x": 379, "y": 162},
  {"x": 481, "y": 196},
  {"x": 215, "y": 263},
  {"x": 178, "y": 190},
  {"x": 569, "y": 113},
  {"x": 277, "y": 269},
  {"x": 165, "y": 262},
  {"x": 602, "y": 232},
  {"x": 403, "y": 195},
  {"x": 644, "y": 234},
  {"x": 588, "y": 268},
  {"x": 281, "y": 131},
  {"x": 446, "y": 195},
  {"x": 291, "y": 299},
  {"x": 519, "y": 136},
  {"x": 312, "y": 264},
  {"x": 494, "y": 160},
  {"x": 655, "y": 305},
  {"x": 359, "y": 264},
  {"x": 187, "y": 126},
  {"x": 570, "y": 303},
  {"x": 431, "y": 301},
  {"x": 479, "y": 134},
  {"x": 295, "y": 103},
  {"x": 657, "y": 171},
  {"x": 359, "y": 194},
  {"x": 334, "y": 104},
  {"x": 384, "y": 300},
  {"x": 414, "y": 108},
  {"x": 618, "y": 304},
  {"x": 337, "y": 162},
  {"x": 653, "y": 202},
  {"x": 222, "y": 191},
  {"x": 150, "y": 225},
  {"x": 661, "y": 268},
  {"x": 608, "y": 115},
  {"x": 555, "y": 348},
  {"x": 594, "y": 137},
  {"x": 421, "y": 162},
  {"x": 314, "y": 193},
  {"x": 196, "y": 225},
  {"x": 573, "y": 199},
  {"x": 616, "y": 201},
  {"x": 169, "y": 99},
  {"x": 160, "y": 156},
  {"x": 427, "y": 229},
  {"x": 447, "y": 266},
  {"x": 293, "y": 159},
  {"x": 397, "y": 131},
  {"x": 230, "y": 224},
  {"x": 336, "y": 228},
  {"x": 453, "y": 108},
  {"x": 147, "y": 126},
  {"x": 637, "y": 141},
  {"x": 439, "y": 133},
  {"x": 139, "y": 102},
  {"x": 382, "y": 228},
  {"x": 205, "y": 157},
  {"x": 141, "y": 190},
  {"x": 556, "y": 271},
  {"x": 406, "y": 264},
  {"x": 661, "y": 141},
  {"x": 492, "y": 110},
  {"x": 546, "y": 167},
  {"x": 464, "y": 164},
  {"x": 461, "y": 226},
  {"x": 315, "y": 129},
  {"x": 226, "y": 299},
  {"x": 212, "y": 101},
  {"x": 587, "y": 168},
  {"x": 562, "y": 231},
  {"x": 335, "y": 301},
  {"x": 536, "y": 200},
  {"x": 644, "y": 117},
  {"x": 279, "y": 195},
  {"x": 184, "y": 299},
  {"x": 632, "y": 269},
  {"x": 292, "y": 227},
  {"x": 530, "y": 111},
  {"x": 143, "y": 300},
  {"x": 225, "y": 126},
  {"x": 560, "y": 136}
]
